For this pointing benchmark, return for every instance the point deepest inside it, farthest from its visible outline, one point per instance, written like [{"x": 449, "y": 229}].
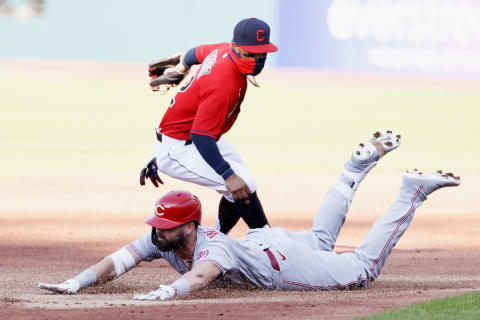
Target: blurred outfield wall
[
  {"x": 122, "y": 30},
  {"x": 437, "y": 37}
]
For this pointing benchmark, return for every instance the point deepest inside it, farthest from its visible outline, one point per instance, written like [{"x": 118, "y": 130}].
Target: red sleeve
[
  {"x": 202, "y": 51},
  {"x": 212, "y": 112}
]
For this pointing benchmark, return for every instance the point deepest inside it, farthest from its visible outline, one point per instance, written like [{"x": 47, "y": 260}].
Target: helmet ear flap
[{"x": 154, "y": 236}]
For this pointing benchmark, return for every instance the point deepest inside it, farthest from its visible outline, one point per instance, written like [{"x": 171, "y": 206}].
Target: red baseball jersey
[{"x": 210, "y": 101}]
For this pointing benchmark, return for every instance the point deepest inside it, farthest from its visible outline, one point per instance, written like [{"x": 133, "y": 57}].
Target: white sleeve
[{"x": 144, "y": 247}]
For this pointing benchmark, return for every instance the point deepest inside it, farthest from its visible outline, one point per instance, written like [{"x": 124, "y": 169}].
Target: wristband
[
  {"x": 181, "y": 286},
  {"x": 227, "y": 173}
]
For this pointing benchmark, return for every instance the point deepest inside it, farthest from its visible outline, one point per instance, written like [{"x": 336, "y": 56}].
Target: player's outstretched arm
[
  {"x": 109, "y": 268},
  {"x": 199, "y": 277},
  {"x": 202, "y": 274}
]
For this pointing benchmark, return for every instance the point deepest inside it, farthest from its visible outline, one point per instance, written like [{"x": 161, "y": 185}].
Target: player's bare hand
[
  {"x": 150, "y": 172},
  {"x": 69, "y": 287},
  {"x": 162, "y": 293},
  {"x": 237, "y": 187}
]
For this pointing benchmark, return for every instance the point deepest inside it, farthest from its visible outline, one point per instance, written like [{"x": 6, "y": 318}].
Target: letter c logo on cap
[
  {"x": 160, "y": 211},
  {"x": 260, "y": 35}
]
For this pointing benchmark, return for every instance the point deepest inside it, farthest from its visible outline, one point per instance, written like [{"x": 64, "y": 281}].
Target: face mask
[
  {"x": 259, "y": 64},
  {"x": 248, "y": 66}
]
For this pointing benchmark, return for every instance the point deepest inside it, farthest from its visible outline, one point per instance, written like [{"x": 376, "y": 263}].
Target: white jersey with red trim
[{"x": 268, "y": 258}]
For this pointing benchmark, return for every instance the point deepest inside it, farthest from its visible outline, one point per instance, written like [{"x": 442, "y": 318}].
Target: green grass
[
  {"x": 74, "y": 126},
  {"x": 466, "y": 306}
]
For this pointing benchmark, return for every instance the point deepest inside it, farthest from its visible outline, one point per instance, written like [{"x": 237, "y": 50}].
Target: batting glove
[
  {"x": 162, "y": 293},
  {"x": 70, "y": 286},
  {"x": 150, "y": 172}
]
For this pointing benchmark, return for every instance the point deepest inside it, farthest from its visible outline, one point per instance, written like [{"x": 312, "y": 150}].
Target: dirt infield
[{"x": 52, "y": 228}]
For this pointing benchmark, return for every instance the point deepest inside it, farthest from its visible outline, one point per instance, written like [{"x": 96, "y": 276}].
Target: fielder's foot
[
  {"x": 370, "y": 152},
  {"x": 430, "y": 182}
]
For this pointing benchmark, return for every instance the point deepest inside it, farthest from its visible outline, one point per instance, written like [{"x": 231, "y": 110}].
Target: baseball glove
[{"x": 156, "y": 70}]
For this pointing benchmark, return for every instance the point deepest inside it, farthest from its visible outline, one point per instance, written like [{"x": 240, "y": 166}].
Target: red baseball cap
[
  {"x": 174, "y": 209},
  {"x": 253, "y": 35}
]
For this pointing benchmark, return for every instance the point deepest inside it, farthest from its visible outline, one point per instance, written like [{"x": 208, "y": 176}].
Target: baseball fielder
[
  {"x": 270, "y": 258},
  {"x": 189, "y": 142}
]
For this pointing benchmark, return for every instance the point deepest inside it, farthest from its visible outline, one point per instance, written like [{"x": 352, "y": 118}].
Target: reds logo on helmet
[
  {"x": 160, "y": 210},
  {"x": 174, "y": 209}
]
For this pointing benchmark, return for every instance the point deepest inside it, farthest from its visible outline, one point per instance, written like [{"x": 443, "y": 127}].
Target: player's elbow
[
  {"x": 202, "y": 275},
  {"x": 201, "y": 279},
  {"x": 196, "y": 281}
]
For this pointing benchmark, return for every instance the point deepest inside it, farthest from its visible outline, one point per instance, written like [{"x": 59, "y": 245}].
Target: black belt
[{"x": 159, "y": 138}]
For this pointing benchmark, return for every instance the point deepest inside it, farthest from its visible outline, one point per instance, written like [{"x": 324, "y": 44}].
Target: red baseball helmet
[{"x": 174, "y": 209}]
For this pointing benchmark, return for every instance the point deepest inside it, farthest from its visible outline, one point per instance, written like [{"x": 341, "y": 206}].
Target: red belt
[{"x": 273, "y": 260}]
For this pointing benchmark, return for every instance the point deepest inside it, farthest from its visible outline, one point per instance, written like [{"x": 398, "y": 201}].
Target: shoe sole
[
  {"x": 381, "y": 144},
  {"x": 433, "y": 181}
]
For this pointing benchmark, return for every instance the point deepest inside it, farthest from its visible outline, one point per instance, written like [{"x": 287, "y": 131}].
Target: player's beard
[{"x": 167, "y": 245}]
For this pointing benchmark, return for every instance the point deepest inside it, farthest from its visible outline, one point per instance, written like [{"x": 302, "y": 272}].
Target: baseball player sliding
[
  {"x": 189, "y": 142},
  {"x": 270, "y": 258}
]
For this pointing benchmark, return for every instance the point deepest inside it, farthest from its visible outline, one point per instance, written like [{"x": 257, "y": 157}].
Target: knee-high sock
[
  {"x": 251, "y": 211},
  {"x": 227, "y": 215}
]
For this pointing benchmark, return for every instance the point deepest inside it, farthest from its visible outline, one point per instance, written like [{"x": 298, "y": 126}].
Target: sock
[
  {"x": 227, "y": 216},
  {"x": 251, "y": 211},
  {"x": 356, "y": 171}
]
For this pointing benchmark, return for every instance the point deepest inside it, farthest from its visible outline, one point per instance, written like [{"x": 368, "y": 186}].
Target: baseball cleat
[
  {"x": 432, "y": 181},
  {"x": 368, "y": 153},
  {"x": 377, "y": 147}
]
